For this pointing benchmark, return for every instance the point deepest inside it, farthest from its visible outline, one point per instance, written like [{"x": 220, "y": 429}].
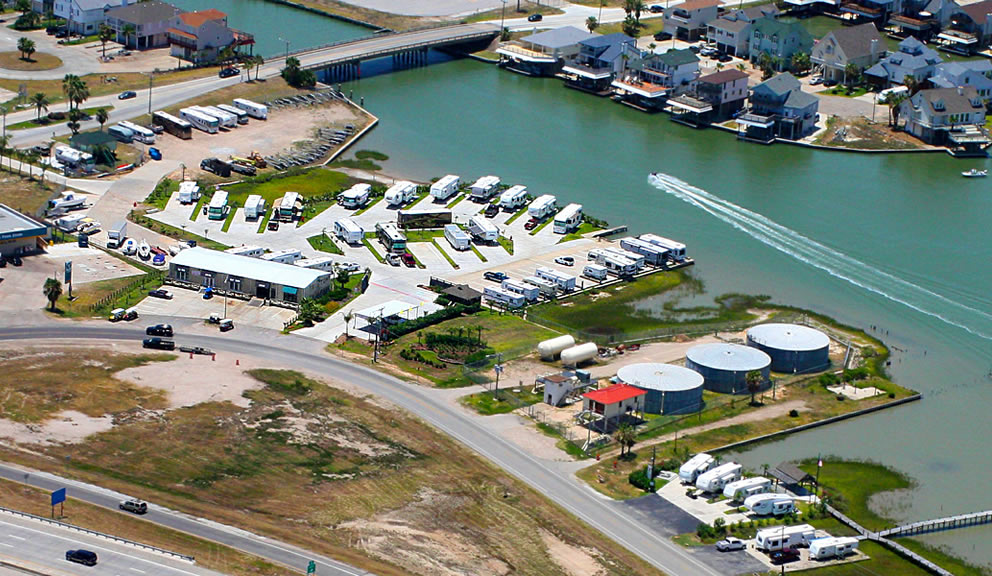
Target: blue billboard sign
[{"x": 58, "y": 496}]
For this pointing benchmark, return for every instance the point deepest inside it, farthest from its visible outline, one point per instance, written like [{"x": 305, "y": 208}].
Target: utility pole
[
  {"x": 151, "y": 76},
  {"x": 502, "y": 18},
  {"x": 498, "y": 368},
  {"x": 654, "y": 450}
]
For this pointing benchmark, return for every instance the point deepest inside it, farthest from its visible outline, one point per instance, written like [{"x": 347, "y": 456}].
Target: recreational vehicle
[
  {"x": 189, "y": 192},
  {"x": 288, "y": 207},
  {"x": 832, "y": 547},
  {"x": 69, "y": 223},
  {"x": 355, "y": 197},
  {"x": 695, "y": 466},
  {"x": 458, "y": 239},
  {"x": 249, "y": 251},
  {"x": 218, "y": 206},
  {"x": 676, "y": 249},
  {"x": 348, "y": 231},
  {"x": 653, "y": 254},
  {"x": 400, "y": 193},
  {"x": 545, "y": 287},
  {"x": 779, "y": 537},
  {"x": 542, "y": 206},
  {"x": 614, "y": 264},
  {"x": 287, "y": 256},
  {"x": 121, "y": 134},
  {"x": 140, "y": 133},
  {"x": 528, "y": 291},
  {"x": 72, "y": 157},
  {"x": 595, "y": 272},
  {"x": 240, "y": 114},
  {"x": 739, "y": 490},
  {"x": 325, "y": 263},
  {"x": 634, "y": 257},
  {"x": 200, "y": 121},
  {"x": 769, "y": 504},
  {"x": 445, "y": 187},
  {"x": 483, "y": 230},
  {"x": 484, "y": 188},
  {"x": 498, "y": 297},
  {"x": 716, "y": 479},
  {"x": 176, "y": 126},
  {"x": 253, "y": 109},
  {"x": 254, "y": 207},
  {"x": 568, "y": 219},
  {"x": 226, "y": 119},
  {"x": 391, "y": 238},
  {"x": 513, "y": 198},
  {"x": 564, "y": 282}
]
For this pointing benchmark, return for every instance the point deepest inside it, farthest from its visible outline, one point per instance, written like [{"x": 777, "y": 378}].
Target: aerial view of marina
[{"x": 492, "y": 287}]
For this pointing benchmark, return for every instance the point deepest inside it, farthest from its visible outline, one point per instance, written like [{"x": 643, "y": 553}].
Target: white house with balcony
[{"x": 944, "y": 116}]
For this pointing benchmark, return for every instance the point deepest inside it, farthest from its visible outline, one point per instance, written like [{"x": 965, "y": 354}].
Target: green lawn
[
  {"x": 477, "y": 253},
  {"x": 583, "y": 229},
  {"x": 423, "y": 235},
  {"x": 506, "y": 243},
  {"x": 485, "y": 404},
  {"x": 842, "y": 91},
  {"x": 542, "y": 225},
  {"x": 308, "y": 183},
  {"x": 44, "y": 121},
  {"x": 324, "y": 244},
  {"x": 444, "y": 253},
  {"x": 371, "y": 249},
  {"x": 849, "y": 485},
  {"x": 955, "y": 565},
  {"x": 455, "y": 202},
  {"x": 369, "y": 206},
  {"x": 162, "y": 192},
  {"x": 882, "y": 561}
]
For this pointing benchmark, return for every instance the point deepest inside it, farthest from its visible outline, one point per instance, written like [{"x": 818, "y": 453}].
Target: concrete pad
[
  {"x": 675, "y": 492},
  {"x": 855, "y": 393},
  {"x": 190, "y": 304}
]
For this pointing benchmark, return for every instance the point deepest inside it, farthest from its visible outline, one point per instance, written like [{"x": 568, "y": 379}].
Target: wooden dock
[{"x": 939, "y": 524}]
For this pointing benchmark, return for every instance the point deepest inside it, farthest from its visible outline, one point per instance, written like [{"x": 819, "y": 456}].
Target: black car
[
  {"x": 664, "y": 36},
  {"x": 273, "y": 225},
  {"x": 160, "y": 294},
  {"x": 84, "y": 557},
  {"x": 535, "y": 18},
  {"x": 3, "y": 262},
  {"x": 492, "y": 210},
  {"x": 228, "y": 72},
  {"x": 724, "y": 58},
  {"x": 158, "y": 343},
  {"x": 159, "y": 330},
  {"x": 16, "y": 260},
  {"x": 784, "y": 556},
  {"x": 127, "y": 95},
  {"x": 656, "y": 9},
  {"x": 495, "y": 276},
  {"x": 217, "y": 166}
]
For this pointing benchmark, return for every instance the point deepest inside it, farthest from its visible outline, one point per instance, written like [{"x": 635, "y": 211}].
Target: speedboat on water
[{"x": 975, "y": 173}]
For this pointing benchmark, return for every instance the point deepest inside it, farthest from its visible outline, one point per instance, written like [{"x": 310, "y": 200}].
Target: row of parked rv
[
  {"x": 546, "y": 282},
  {"x": 209, "y": 119}
]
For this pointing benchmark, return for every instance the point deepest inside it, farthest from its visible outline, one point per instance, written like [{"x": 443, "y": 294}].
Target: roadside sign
[
  {"x": 58, "y": 496},
  {"x": 498, "y": 368},
  {"x": 311, "y": 568},
  {"x": 68, "y": 272}
]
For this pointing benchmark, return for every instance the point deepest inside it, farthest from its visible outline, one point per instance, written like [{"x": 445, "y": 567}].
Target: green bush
[
  {"x": 431, "y": 319},
  {"x": 794, "y": 413},
  {"x": 828, "y": 379},
  {"x": 704, "y": 531},
  {"x": 639, "y": 478},
  {"x": 856, "y": 374}
]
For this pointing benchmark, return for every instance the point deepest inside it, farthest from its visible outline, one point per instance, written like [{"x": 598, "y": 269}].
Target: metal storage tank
[
  {"x": 577, "y": 354},
  {"x": 671, "y": 389},
  {"x": 548, "y": 349},
  {"x": 725, "y": 366},
  {"x": 793, "y": 348}
]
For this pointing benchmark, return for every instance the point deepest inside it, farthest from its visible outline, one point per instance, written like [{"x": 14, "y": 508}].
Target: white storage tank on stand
[
  {"x": 575, "y": 355},
  {"x": 548, "y": 349}
]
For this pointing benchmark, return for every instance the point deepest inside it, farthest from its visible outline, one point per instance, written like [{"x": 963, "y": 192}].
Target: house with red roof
[
  {"x": 200, "y": 36},
  {"x": 611, "y": 405}
]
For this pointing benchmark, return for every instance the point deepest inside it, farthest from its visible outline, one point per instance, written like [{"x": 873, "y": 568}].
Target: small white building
[
  {"x": 612, "y": 404},
  {"x": 445, "y": 187},
  {"x": 458, "y": 239},
  {"x": 557, "y": 386}
]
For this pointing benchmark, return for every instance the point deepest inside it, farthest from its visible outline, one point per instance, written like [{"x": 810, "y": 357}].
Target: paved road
[{"x": 559, "y": 486}]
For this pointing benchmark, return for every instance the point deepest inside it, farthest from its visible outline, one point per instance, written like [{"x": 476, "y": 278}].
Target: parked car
[
  {"x": 158, "y": 344},
  {"x": 273, "y": 225},
  {"x": 134, "y": 506},
  {"x": 155, "y": 153},
  {"x": 349, "y": 266},
  {"x": 565, "y": 261},
  {"x": 784, "y": 556},
  {"x": 84, "y": 557},
  {"x": 816, "y": 80},
  {"x": 492, "y": 211},
  {"x": 666, "y": 36},
  {"x": 725, "y": 58},
  {"x": 408, "y": 260},
  {"x": 393, "y": 259},
  {"x": 226, "y": 324},
  {"x": 695, "y": 48},
  {"x": 829, "y": 83},
  {"x": 16, "y": 260},
  {"x": 535, "y": 18},
  {"x": 160, "y": 293},
  {"x": 656, "y": 9},
  {"x": 228, "y": 72},
  {"x": 495, "y": 276},
  {"x": 245, "y": 169},
  {"x": 159, "y": 330},
  {"x": 730, "y": 544},
  {"x": 127, "y": 95},
  {"x": 208, "y": 293},
  {"x": 531, "y": 224}
]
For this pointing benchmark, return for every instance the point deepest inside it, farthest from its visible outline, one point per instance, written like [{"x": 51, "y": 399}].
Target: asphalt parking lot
[{"x": 190, "y": 304}]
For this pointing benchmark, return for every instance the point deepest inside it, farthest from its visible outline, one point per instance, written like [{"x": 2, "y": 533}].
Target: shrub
[
  {"x": 856, "y": 374},
  {"x": 840, "y": 397},
  {"x": 828, "y": 379},
  {"x": 639, "y": 478},
  {"x": 431, "y": 319},
  {"x": 892, "y": 394},
  {"x": 704, "y": 531},
  {"x": 794, "y": 413},
  {"x": 720, "y": 526},
  {"x": 56, "y": 115}
]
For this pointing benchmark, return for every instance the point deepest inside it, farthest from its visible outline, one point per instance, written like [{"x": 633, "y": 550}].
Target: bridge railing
[
  {"x": 382, "y": 34},
  {"x": 387, "y": 51}
]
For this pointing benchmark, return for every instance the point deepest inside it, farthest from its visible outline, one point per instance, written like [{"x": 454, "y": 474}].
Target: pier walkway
[{"x": 939, "y": 524}]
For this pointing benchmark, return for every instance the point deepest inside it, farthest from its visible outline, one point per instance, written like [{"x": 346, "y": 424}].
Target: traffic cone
[
  {"x": 237, "y": 362},
  {"x": 213, "y": 357}
]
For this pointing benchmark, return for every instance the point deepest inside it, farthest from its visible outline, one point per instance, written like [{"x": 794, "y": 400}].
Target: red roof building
[
  {"x": 614, "y": 394},
  {"x": 613, "y": 404}
]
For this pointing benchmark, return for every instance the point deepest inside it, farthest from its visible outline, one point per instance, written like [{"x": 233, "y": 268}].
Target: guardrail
[
  {"x": 190, "y": 559},
  {"x": 382, "y": 52}
]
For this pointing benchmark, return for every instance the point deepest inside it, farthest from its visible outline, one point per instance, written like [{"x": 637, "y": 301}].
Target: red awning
[{"x": 614, "y": 394}]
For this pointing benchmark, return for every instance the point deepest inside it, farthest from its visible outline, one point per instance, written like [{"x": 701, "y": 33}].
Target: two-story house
[
  {"x": 914, "y": 59},
  {"x": 687, "y": 21},
  {"x": 778, "y": 108},
  {"x": 873, "y": 11},
  {"x": 779, "y": 40},
  {"x": 732, "y": 31},
  {"x": 648, "y": 79},
  {"x": 974, "y": 73},
  {"x": 82, "y": 16},
  {"x": 150, "y": 22},
  {"x": 200, "y": 36},
  {"x": 970, "y": 29},
  {"x": 725, "y": 90},
  {"x": 923, "y": 18},
  {"x": 859, "y": 45},
  {"x": 935, "y": 115},
  {"x": 600, "y": 58},
  {"x": 544, "y": 53}
]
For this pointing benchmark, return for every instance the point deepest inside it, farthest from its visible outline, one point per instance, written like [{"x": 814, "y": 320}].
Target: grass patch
[
  {"x": 98, "y": 87},
  {"x": 562, "y": 444},
  {"x": 853, "y": 92},
  {"x": 232, "y": 210},
  {"x": 24, "y": 194},
  {"x": 526, "y": 8},
  {"x": 477, "y": 253},
  {"x": 506, "y": 243},
  {"x": 356, "y": 164},
  {"x": 322, "y": 243},
  {"x": 46, "y": 121},
  {"x": 484, "y": 403},
  {"x": 203, "y": 201},
  {"x": 882, "y": 561},
  {"x": 139, "y": 218},
  {"x": 649, "y": 27},
  {"x": 371, "y": 249},
  {"x": 371, "y": 155},
  {"x": 130, "y": 290},
  {"x": 160, "y": 196},
  {"x": 582, "y": 230},
  {"x": 542, "y": 225},
  {"x": 309, "y": 183},
  {"x": 519, "y": 213},
  {"x": 455, "y": 202},
  {"x": 37, "y": 61},
  {"x": 423, "y": 235},
  {"x": 849, "y": 485},
  {"x": 369, "y": 206},
  {"x": 444, "y": 253}
]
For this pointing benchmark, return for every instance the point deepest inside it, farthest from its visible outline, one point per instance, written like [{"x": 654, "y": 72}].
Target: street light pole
[
  {"x": 498, "y": 368},
  {"x": 287, "y": 46},
  {"x": 151, "y": 76},
  {"x": 502, "y": 18}
]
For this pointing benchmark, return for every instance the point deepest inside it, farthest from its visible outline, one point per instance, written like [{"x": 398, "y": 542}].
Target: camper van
[
  {"x": 249, "y": 251},
  {"x": 240, "y": 114},
  {"x": 483, "y": 230},
  {"x": 595, "y": 272},
  {"x": 458, "y": 239},
  {"x": 226, "y": 119},
  {"x": 832, "y": 547},
  {"x": 568, "y": 219},
  {"x": 218, "y": 208},
  {"x": 176, "y": 126},
  {"x": 564, "y": 282},
  {"x": 545, "y": 287},
  {"x": 484, "y": 188},
  {"x": 121, "y": 134},
  {"x": 779, "y": 537},
  {"x": 716, "y": 479},
  {"x": 528, "y": 291},
  {"x": 348, "y": 231},
  {"x": 325, "y": 263},
  {"x": 400, "y": 193},
  {"x": 614, "y": 264},
  {"x": 542, "y": 206},
  {"x": 141, "y": 134},
  {"x": 254, "y": 207},
  {"x": 355, "y": 197},
  {"x": 653, "y": 254},
  {"x": 288, "y": 207},
  {"x": 69, "y": 224},
  {"x": 498, "y": 297},
  {"x": 391, "y": 237},
  {"x": 253, "y": 109},
  {"x": 200, "y": 121},
  {"x": 445, "y": 187},
  {"x": 739, "y": 490},
  {"x": 769, "y": 504},
  {"x": 676, "y": 249},
  {"x": 189, "y": 192},
  {"x": 73, "y": 158},
  {"x": 513, "y": 198},
  {"x": 695, "y": 466},
  {"x": 287, "y": 256}
]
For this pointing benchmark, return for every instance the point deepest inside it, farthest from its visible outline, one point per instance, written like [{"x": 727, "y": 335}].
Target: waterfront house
[
  {"x": 544, "y": 53},
  {"x": 82, "y": 16},
  {"x": 944, "y": 116},
  {"x": 859, "y": 45},
  {"x": 725, "y": 90},
  {"x": 870, "y": 11},
  {"x": 600, "y": 58},
  {"x": 687, "y": 21},
  {"x": 923, "y": 18},
  {"x": 778, "y": 108},
  {"x": 731, "y": 32},
  {"x": 913, "y": 59},
  {"x": 149, "y": 20},
  {"x": 970, "y": 29},
  {"x": 648, "y": 79},
  {"x": 199, "y": 37},
  {"x": 779, "y": 40},
  {"x": 976, "y": 73}
]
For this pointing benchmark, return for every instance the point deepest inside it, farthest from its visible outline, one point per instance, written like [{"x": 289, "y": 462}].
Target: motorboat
[
  {"x": 144, "y": 250},
  {"x": 975, "y": 173},
  {"x": 129, "y": 247}
]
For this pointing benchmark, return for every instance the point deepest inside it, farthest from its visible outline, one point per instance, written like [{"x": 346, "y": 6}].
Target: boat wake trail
[{"x": 831, "y": 261}]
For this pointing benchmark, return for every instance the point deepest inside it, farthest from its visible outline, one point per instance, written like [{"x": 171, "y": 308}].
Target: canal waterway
[{"x": 898, "y": 242}]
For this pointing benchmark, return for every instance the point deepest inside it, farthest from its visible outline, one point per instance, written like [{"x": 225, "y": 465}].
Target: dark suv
[
  {"x": 84, "y": 557},
  {"x": 784, "y": 556},
  {"x": 158, "y": 343},
  {"x": 159, "y": 330}
]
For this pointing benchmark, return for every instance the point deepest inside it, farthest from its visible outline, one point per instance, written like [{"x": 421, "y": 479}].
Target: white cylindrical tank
[
  {"x": 553, "y": 347},
  {"x": 577, "y": 354}
]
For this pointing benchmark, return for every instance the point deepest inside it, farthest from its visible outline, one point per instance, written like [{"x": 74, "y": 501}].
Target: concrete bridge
[{"x": 342, "y": 61}]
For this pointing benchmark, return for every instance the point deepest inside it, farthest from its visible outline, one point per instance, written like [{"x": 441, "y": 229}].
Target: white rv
[
  {"x": 141, "y": 134},
  {"x": 528, "y": 291},
  {"x": 445, "y": 187},
  {"x": 653, "y": 254},
  {"x": 568, "y": 219},
  {"x": 355, "y": 197},
  {"x": 287, "y": 256},
  {"x": 769, "y": 504},
  {"x": 249, "y": 251},
  {"x": 253, "y": 109},
  {"x": 739, "y": 490},
  {"x": 458, "y": 239},
  {"x": 542, "y": 206},
  {"x": 676, "y": 249},
  {"x": 400, "y": 193},
  {"x": 254, "y": 207},
  {"x": 499, "y": 297},
  {"x": 779, "y": 537},
  {"x": 218, "y": 208},
  {"x": 325, "y": 263},
  {"x": 483, "y": 230},
  {"x": 714, "y": 480},
  {"x": 595, "y": 271},
  {"x": 832, "y": 547},
  {"x": 348, "y": 231},
  {"x": 484, "y": 188},
  {"x": 72, "y": 157},
  {"x": 543, "y": 286},
  {"x": 634, "y": 257},
  {"x": 614, "y": 264},
  {"x": 513, "y": 198},
  {"x": 240, "y": 114},
  {"x": 695, "y": 466},
  {"x": 69, "y": 223},
  {"x": 564, "y": 282},
  {"x": 189, "y": 192},
  {"x": 199, "y": 120},
  {"x": 226, "y": 119}
]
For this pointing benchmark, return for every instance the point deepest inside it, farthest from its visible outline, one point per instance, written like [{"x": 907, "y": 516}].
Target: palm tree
[
  {"x": 910, "y": 82},
  {"x": 106, "y": 35},
  {"x": 894, "y": 102},
  {"x": 52, "y": 290},
  {"x": 754, "y": 381},
  {"x": 592, "y": 23},
  {"x": 624, "y": 436},
  {"x": 81, "y": 92},
  {"x": 851, "y": 72},
  {"x": 74, "y": 117},
  {"x": 128, "y": 31},
  {"x": 246, "y": 64},
  {"x": 638, "y": 6},
  {"x": 26, "y": 47},
  {"x": 40, "y": 101},
  {"x": 258, "y": 64},
  {"x": 347, "y": 320},
  {"x": 102, "y": 116},
  {"x": 70, "y": 82}
]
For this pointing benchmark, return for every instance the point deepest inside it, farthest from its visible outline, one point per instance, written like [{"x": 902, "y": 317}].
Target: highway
[{"x": 562, "y": 488}]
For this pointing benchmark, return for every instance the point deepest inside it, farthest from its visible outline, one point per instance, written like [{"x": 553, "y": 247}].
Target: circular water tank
[
  {"x": 670, "y": 389},
  {"x": 724, "y": 367},
  {"x": 553, "y": 347},
  {"x": 793, "y": 348},
  {"x": 577, "y": 354}
]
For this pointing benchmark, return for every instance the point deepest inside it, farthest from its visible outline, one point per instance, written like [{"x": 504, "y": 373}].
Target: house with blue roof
[
  {"x": 778, "y": 108},
  {"x": 974, "y": 73},
  {"x": 599, "y": 60},
  {"x": 649, "y": 79},
  {"x": 544, "y": 53},
  {"x": 913, "y": 59}
]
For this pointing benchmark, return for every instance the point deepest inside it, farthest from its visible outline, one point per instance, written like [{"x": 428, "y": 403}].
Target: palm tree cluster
[
  {"x": 26, "y": 47},
  {"x": 626, "y": 437},
  {"x": 76, "y": 92}
]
